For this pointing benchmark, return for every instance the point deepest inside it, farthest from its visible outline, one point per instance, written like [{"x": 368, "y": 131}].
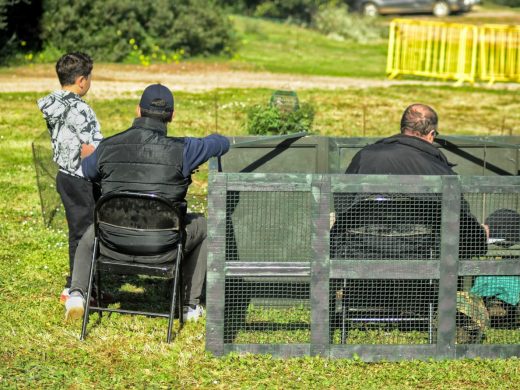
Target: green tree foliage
[
  {"x": 3, "y": 14},
  {"x": 336, "y": 22},
  {"x": 510, "y": 3},
  {"x": 301, "y": 11},
  {"x": 111, "y": 30},
  {"x": 19, "y": 27}
]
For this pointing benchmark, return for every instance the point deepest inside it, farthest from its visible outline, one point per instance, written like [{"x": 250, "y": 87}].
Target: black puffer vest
[{"x": 144, "y": 159}]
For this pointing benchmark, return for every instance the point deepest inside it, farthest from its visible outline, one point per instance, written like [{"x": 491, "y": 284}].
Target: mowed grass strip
[
  {"x": 285, "y": 48},
  {"x": 370, "y": 112},
  {"x": 39, "y": 350}
]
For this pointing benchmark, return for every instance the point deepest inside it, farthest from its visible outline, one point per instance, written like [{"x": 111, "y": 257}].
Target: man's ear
[
  {"x": 430, "y": 137},
  {"x": 80, "y": 82},
  {"x": 173, "y": 116},
  {"x": 138, "y": 111}
]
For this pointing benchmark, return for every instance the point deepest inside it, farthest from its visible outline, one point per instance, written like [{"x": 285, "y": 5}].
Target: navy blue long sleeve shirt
[{"x": 196, "y": 152}]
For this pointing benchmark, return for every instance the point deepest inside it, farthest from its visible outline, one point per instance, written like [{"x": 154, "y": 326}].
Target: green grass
[
  {"x": 350, "y": 112},
  {"x": 285, "y": 48},
  {"x": 38, "y": 350}
]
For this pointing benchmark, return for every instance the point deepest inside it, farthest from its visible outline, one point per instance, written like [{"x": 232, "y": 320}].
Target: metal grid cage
[
  {"x": 285, "y": 280},
  {"x": 268, "y": 226},
  {"x": 267, "y": 311}
]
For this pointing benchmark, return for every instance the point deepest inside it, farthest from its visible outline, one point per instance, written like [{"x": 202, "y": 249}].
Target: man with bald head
[{"x": 409, "y": 153}]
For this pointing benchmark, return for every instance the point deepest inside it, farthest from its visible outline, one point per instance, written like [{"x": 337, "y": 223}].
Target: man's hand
[
  {"x": 486, "y": 229},
  {"x": 87, "y": 150}
]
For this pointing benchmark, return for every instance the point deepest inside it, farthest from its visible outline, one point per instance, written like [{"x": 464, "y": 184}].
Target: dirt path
[{"x": 119, "y": 80}]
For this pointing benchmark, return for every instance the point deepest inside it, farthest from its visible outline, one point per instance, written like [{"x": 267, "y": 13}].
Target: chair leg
[
  {"x": 430, "y": 323},
  {"x": 98, "y": 290},
  {"x": 89, "y": 290},
  {"x": 174, "y": 293},
  {"x": 180, "y": 301},
  {"x": 344, "y": 313},
  {"x": 172, "y": 311}
]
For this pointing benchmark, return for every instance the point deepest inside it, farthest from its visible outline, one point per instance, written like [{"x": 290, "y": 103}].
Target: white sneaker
[
  {"x": 74, "y": 306},
  {"x": 192, "y": 312},
  {"x": 64, "y": 295}
]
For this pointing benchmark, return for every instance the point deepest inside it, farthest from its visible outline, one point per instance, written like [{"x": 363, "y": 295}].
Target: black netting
[
  {"x": 268, "y": 226},
  {"x": 383, "y": 311},
  {"x": 46, "y": 170},
  {"x": 386, "y": 226},
  {"x": 267, "y": 311},
  {"x": 500, "y": 214}
]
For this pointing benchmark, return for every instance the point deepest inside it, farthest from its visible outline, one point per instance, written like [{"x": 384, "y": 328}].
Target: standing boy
[{"x": 75, "y": 132}]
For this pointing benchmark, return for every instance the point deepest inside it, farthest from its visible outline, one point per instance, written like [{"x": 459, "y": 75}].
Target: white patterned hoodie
[{"x": 71, "y": 122}]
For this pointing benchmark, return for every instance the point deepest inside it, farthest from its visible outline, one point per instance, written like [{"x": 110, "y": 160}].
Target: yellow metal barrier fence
[
  {"x": 499, "y": 57},
  {"x": 455, "y": 51}
]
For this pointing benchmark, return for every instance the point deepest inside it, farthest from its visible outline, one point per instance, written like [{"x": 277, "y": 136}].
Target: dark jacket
[
  {"x": 144, "y": 159},
  {"x": 399, "y": 155}
]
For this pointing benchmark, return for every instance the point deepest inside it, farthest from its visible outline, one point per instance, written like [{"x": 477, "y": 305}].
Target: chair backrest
[
  {"x": 387, "y": 226},
  {"x": 137, "y": 223}
]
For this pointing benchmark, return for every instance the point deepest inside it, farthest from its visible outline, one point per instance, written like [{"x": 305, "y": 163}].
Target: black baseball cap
[{"x": 157, "y": 100}]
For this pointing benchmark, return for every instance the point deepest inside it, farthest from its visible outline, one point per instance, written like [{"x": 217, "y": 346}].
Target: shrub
[
  {"x": 336, "y": 22},
  {"x": 300, "y": 11},
  {"x": 270, "y": 120},
  {"x": 19, "y": 27},
  {"x": 113, "y": 30},
  {"x": 510, "y": 3}
]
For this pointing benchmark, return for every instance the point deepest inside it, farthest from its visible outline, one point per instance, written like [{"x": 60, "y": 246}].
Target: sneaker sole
[{"x": 74, "y": 313}]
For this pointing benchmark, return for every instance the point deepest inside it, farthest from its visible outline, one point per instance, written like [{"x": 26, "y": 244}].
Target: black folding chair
[{"x": 144, "y": 229}]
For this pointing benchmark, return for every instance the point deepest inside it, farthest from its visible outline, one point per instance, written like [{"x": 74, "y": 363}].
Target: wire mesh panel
[
  {"x": 488, "y": 311},
  {"x": 487, "y": 304},
  {"x": 383, "y": 311},
  {"x": 267, "y": 311},
  {"x": 402, "y": 269},
  {"x": 386, "y": 226},
  {"x": 500, "y": 215},
  {"x": 268, "y": 226}
]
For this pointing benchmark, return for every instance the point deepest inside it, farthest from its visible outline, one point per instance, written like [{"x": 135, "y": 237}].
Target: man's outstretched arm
[{"x": 199, "y": 150}]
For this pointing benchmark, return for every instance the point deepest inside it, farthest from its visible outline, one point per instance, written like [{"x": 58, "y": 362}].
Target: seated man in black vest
[{"x": 144, "y": 159}]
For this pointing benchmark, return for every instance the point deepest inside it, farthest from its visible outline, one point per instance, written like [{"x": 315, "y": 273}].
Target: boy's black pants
[{"x": 77, "y": 195}]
